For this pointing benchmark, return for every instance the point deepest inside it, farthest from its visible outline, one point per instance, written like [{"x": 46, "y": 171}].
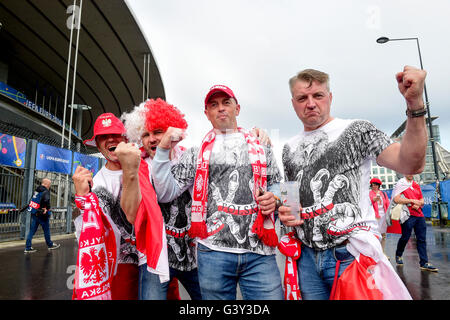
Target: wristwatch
[{"x": 416, "y": 113}]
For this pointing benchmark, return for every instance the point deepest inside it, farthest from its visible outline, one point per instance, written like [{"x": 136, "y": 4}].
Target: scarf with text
[
  {"x": 290, "y": 246},
  {"x": 97, "y": 251},
  {"x": 264, "y": 226}
]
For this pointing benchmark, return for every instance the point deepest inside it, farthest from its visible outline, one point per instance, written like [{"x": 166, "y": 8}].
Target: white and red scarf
[
  {"x": 290, "y": 246},
  {"x": 264, "y": 226},
  {"x": 98, "y": 251}
]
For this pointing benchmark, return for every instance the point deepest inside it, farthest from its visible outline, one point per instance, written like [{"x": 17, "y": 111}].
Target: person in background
[
  {"x": 408, "y": 192},
  {"x": 380, "y": 202},
  {"x": 39, "y": 208}
]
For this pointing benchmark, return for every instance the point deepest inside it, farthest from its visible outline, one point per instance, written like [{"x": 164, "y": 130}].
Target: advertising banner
[
  {"x": 49, "y": 158},
  {"x": 88, "y": 162},
  {"x": 12, "y": 151}
]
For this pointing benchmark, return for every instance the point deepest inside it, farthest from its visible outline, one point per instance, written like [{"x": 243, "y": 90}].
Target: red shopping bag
[
  {"x": 356, "y": 282},
  {"x": 395, "y": 227}
]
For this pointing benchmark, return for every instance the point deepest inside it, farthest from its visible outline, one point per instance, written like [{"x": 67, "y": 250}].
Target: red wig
[{"x": 161, "y": 115}]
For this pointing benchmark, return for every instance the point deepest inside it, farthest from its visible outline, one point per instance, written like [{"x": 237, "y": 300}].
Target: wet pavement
[{"x": 48, "y": 275}]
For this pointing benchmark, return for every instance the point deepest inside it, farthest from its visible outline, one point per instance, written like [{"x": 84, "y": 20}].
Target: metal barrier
[{"x": 12, "y": 224}]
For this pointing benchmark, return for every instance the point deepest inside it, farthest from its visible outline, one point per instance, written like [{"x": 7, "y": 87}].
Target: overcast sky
[{"x": 255, "y": 46}]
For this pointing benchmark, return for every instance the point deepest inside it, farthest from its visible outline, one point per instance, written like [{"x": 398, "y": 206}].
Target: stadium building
[{"x": 62, "y": 64}]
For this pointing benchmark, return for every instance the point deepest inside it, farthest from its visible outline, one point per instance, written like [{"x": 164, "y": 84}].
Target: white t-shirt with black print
[
  {"x": 332, "y": 166},
  {"x": 107, "y": 185},
  {"x": 231, "y": 208},
  {"x": 177, "y": 221}
]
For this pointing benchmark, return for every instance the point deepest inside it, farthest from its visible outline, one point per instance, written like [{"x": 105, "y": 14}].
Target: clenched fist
[
  {"x": 171, "y": 137},
  {"x": 82, "y": 180},
  {"x": 129, "y": 156},
  {"x": 411, "y": 83}
]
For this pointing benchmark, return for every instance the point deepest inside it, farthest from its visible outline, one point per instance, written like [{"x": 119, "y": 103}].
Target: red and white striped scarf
[
  {"x": 290, "y": 246},
  {"x": 264, "y": 226},
  {"x": 98, "y": 250}
]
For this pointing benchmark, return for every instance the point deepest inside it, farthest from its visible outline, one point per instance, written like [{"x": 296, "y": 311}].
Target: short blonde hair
[{"x": 310, "y": 75}]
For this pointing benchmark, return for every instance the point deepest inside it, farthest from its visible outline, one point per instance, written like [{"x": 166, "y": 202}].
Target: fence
[{"x": 17, "y": 185}]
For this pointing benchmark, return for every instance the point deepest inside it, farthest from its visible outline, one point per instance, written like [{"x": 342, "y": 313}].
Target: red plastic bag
[
  {"x": 395, "y": 227},
  {"x": 356, "y": 282}
]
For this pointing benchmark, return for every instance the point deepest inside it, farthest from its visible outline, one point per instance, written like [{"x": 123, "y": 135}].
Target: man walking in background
[{"x": 39, "y": 208}]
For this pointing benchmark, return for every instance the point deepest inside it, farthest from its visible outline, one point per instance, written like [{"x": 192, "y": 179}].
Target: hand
[
  {"x": 129, "y": 156},
  {"x": 287, "y": 218},
  {"x": 411, "y": 83},
  {"x": 267, "y": 203},
  {"x": 81, "y": 180},
  {"x": 171, "y": 137},
  {"x": 415, "y": 207},
  {"x": 262, "y": 136}
]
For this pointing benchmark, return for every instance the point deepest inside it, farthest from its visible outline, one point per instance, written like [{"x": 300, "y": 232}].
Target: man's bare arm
[
  {"x": 408, "y": 157},
  {"x": 129, "y": 156}
]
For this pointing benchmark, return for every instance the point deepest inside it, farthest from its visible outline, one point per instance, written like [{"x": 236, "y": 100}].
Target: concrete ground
[{"x": 48, "y": 275}]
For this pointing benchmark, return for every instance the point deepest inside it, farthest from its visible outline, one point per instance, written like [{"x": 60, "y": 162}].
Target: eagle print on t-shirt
[{"x": 329, "y": 175}]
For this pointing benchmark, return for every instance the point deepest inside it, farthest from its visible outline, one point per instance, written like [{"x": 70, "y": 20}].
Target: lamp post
[{"x": 383, "y": 40}]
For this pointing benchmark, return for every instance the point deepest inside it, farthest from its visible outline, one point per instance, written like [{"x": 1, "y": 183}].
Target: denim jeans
[
  {"x": 317, "y": 268},
  {"x": 189, "y": 280},
  {"x": 219, "y": 274},
  {"x": 420, "y": 229},
  {"x": 35, "y": 222},
  {"x": 151, "y": 288}
]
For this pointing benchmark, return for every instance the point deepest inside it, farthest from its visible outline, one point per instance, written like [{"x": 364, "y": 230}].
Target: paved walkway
[{"x": 48, "y": 275}]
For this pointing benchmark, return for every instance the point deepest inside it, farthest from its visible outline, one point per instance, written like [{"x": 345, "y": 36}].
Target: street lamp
[{"x": 383, "y": 40}]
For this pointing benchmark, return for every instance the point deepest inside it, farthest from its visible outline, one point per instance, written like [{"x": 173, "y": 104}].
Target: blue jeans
[
  {"x": 316, "y": 270},
  {"x": 35, "y": 222},
  {"x": 420, "y": 229},
  {"x": 220, "y": 272},
  {"x": 151, "y": 288}
]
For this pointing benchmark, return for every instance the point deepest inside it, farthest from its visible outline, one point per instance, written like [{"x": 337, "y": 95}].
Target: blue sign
[
  {"x": 49, "y": 158},
  {"x": 429, "y": 196},
  {"x": 88, "y": 162},
  {"x": 21, "y": 98},
  {"x": 12, "y": 151},
  {"x": 12, "y": 93}
]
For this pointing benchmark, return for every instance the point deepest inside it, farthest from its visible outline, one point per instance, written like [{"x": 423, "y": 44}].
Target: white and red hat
[
  {"x": 219, "y": 88},
  {"x": 106, "y": 123}
]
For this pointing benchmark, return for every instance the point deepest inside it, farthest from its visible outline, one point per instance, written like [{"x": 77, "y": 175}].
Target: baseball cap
[
  {"x": 219, "y": 88},
  {"x": 106, "y": 123},
  {"x": 376, "y": 180}
]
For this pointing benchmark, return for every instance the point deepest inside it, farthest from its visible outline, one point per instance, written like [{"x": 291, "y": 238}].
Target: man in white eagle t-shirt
[
  {"x": 117, "y": 188},
  {"x": 330, "y": 158}
]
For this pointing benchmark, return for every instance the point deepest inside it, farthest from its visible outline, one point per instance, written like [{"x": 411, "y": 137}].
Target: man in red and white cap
[
  {"x": 233, "y": 180},
  {"x": 118, "y": 189}
]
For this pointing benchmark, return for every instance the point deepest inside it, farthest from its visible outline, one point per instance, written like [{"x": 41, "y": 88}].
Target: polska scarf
[
  {"x": 290, "y": 247},
  {"x": 98, "y": 250},
  {"x": 264, "y": 226}
]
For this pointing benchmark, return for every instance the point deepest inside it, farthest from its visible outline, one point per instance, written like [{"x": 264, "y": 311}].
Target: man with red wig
[
  {"x": 146, "y": 125},
  {"x": 232, "y": 177}
]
